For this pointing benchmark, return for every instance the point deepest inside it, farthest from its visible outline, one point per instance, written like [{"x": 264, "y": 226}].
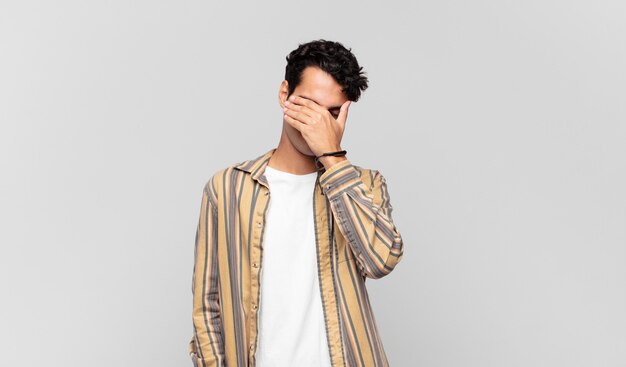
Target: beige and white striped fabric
[{"x": 355, "y": 239}]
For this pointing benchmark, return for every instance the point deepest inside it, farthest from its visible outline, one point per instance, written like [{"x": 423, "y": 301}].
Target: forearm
[{"x": 363, "y": 215}]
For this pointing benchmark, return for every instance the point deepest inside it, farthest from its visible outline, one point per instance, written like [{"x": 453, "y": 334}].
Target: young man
[{"x": 285, "y": 242}]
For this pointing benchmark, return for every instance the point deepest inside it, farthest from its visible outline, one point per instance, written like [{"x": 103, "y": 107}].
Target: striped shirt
[{"x": 355, "y": 239}]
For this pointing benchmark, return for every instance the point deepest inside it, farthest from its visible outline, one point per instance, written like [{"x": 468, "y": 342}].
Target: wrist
[{"x": 329, "y": 161}]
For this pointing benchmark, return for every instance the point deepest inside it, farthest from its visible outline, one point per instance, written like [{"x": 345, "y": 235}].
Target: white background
[{"x": 499, "y": 125}]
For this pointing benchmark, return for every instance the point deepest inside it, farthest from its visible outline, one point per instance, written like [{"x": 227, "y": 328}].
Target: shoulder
[
  {"x": 213, "y": 184},
  {"x": 223, "y": 176}
]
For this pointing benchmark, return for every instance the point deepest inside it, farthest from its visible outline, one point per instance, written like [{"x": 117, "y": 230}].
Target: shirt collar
[{"x": 256, "y": 166}]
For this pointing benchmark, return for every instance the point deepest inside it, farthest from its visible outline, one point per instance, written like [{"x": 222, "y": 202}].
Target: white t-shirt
[{"x": 292, "y": 330}]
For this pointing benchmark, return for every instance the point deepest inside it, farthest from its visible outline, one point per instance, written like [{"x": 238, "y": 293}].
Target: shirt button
[
  {"x": 255, "y": 265},
  {"x": 267, "y": 192},
  {"x": 251, "y": 346},
  {"x": 328, "y": 186},
  {"x": 254, "y": 307},
  {"x": 259, "y": 224}
]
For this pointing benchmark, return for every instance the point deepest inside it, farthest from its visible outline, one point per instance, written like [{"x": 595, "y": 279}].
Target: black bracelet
[{"x": 338, "y": 153}]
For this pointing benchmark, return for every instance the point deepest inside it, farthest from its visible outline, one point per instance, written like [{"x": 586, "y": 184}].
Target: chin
[
  {"x": 304, "y": 149},
  {"x": 299, "y": 143},
  {"x": 308, "y": 152}
]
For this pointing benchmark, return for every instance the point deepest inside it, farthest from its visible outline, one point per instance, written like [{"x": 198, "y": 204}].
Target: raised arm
[{"x": 363, "y": 215}]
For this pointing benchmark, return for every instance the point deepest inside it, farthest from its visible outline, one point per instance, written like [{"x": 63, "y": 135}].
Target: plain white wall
[{"x": 499, "y": 125}]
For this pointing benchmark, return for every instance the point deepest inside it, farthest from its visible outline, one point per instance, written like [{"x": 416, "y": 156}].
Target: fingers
[
  {"x": 294, "y": 123},
  {"x": 299, "y": 108},
  {"x": 306, "y": 102},
  {"x": 343, "y": 112},
  {"x": 299, "y": 115},
  {"x": 309, "y": 112}
]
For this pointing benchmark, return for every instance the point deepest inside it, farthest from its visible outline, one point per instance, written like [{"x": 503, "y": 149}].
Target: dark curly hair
[{"x": 333, "y": 58}]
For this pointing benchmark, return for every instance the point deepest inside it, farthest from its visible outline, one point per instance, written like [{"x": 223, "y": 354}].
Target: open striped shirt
[{"x": 355, "y": 239}]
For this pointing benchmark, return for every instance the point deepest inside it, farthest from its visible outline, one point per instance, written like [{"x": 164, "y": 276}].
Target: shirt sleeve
[
  {"x": 206, "y": 348},
  {"x": 363, "y": 215}
]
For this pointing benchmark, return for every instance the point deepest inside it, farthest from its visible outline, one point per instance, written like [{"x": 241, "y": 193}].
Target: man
[{"x": 286, "y": 240}]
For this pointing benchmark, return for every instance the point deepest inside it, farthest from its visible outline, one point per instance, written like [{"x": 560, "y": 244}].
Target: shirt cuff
[{"x": 339, "y": 177}]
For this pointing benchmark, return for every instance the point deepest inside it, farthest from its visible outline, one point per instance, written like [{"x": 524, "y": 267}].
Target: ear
[{"x": 282, "y": 93}]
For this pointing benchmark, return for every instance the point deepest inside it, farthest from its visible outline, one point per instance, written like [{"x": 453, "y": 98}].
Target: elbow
[{"x": 388, "y": 263}]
